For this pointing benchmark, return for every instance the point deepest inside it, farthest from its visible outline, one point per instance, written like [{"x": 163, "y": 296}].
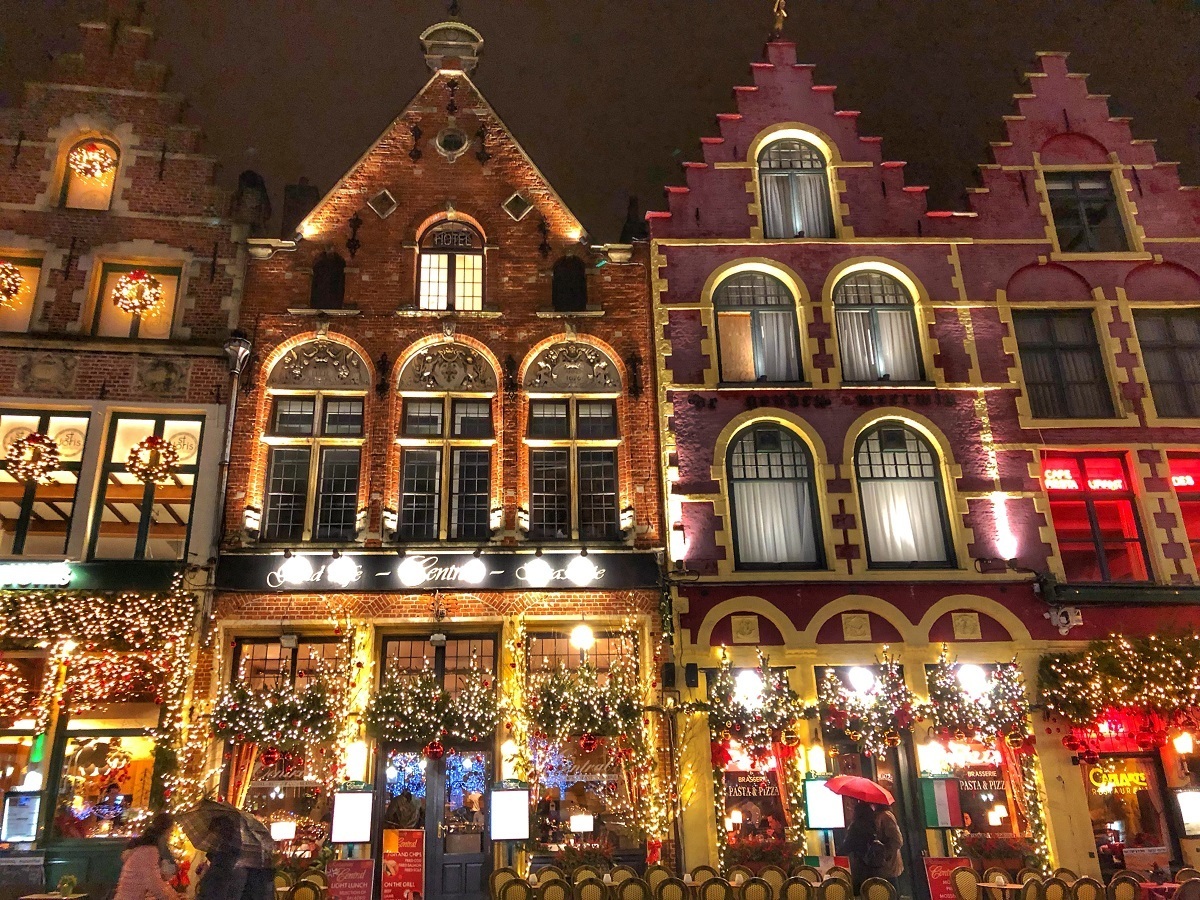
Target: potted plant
[{"x": 1003, "y": 851}]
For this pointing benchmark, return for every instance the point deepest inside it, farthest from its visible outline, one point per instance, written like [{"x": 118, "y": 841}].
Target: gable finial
[
  {"x": 453, "y": 8},
  {"x": 780, "y": 15}
]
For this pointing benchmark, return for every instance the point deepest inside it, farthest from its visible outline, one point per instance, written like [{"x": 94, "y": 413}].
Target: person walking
[
  {"x": 141, "y": 871},
  {"x": 873, "y": 843}
]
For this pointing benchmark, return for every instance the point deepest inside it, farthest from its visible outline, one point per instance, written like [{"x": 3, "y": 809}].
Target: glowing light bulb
[
  {"x": 582, "y": 637},
  {"x": 473, "y": 571},
  {"x": 411, "y": 572},
  {"x": 748, "y": 688},
  {"x": 296, "y": 569},
  {"x": 862, "y": 681},
  {"x": 973, "y": 679},
  {"x": 342, "y": 571},
  {"x": 538, "y": 572},
  {"x": 581, "y": 571}
]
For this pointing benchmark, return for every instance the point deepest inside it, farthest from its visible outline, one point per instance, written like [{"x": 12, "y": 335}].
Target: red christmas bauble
[
  {"x": 434, "y": 750},
  {"x": 1072, "y": 742},
  {"x": 1090, "y": 756},
  {"x": 587, "y": 743}
]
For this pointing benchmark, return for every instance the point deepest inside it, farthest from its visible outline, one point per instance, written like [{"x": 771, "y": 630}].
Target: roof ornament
[
  {"x": 780, "y": 15},
  {"x": 452, "y": 8}
]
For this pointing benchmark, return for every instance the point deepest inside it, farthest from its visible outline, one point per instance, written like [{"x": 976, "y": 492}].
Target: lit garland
[
  {"x": 94, "y": 680},
  {"x": 91, "y": 161},
  {"x": 1000, "y": 711},
  {"x": 1029, "y": 800},
  {"x": 11, "y": 282},
  {"x": 152, "y": 460},
  {"x": 138, "y": 293},
  {"x": 33, "y": 458},
  {"x": 108, "y": 621},
  {"x": 16, "y": 693},
  {"x": 756, "y": 722},
  {"x": 567, "y": 704},
  {"x": 415, "y": 708},
  {"x": 1148, "y": 683},
  {"x": 873, "y": 719},
  {"x": 280, "y": 717}
]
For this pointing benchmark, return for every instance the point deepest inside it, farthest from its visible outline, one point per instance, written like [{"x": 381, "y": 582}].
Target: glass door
[{"x": 434, "y": 837}]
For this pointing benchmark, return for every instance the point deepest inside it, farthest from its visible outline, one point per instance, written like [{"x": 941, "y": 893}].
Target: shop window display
[
  {"x": 104, "y": 791},
  {"x": 1128, "y": 810}
]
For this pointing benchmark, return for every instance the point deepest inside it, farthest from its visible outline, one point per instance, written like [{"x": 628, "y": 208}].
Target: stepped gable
[
  {"x": 720, "y": 195},
  {"x": 1059, "y": 122}
]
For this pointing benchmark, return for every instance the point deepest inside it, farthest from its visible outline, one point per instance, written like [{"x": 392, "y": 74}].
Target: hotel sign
[{"x": 424, "y": 571}]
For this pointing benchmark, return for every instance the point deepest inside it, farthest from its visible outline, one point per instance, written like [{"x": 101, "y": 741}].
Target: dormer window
[
  {"x": 794, "y": 181},
  {"x": 1085, "y": 212},
  {"x": 451, "y": 268},
  {"x": 91, "y": 174}
]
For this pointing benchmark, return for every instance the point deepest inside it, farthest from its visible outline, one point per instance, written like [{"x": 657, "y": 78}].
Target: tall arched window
[
  {"x": 446, "y": 440},
  {"x": 773, "y": 500},
  {"x": 903, "y": 505},
  {"x": 90, "y": 175},
  {"x": 877, "y": 328},
  {"x": 795, "y": 190},
  {"x": 757, "y": 332},
  {"x": 451, "y": 267},
  {"x": 316, "y": 428}
]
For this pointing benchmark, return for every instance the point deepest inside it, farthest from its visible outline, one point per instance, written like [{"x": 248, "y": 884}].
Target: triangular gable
[{"x": 396, "y": 141}]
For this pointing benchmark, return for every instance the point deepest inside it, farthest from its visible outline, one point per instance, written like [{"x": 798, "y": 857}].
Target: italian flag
[{"x": 941, "y": 803}]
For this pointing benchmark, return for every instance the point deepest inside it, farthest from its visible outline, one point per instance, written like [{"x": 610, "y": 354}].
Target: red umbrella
[{"x": 860, "y": 789}]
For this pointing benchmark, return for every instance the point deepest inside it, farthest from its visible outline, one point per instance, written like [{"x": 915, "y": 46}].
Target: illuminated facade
[
  {"x": 444, "y": 463},
  {"x": 119, "y": 285},
  {"x": 887, "y": 425}
]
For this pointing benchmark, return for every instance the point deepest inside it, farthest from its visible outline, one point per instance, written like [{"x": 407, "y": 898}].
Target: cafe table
[
  {"x": 54, "y": 896},
  {"x": 1153, "y": 891},
  {"x": 1001, "y": 890}
]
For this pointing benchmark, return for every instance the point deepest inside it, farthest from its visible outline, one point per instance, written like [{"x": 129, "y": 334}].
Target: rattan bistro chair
[
  {"x": 590, "y": 889},
  {"x": 554, "y": 889},
  {"x": 671, "y": 888},
  {"x": 547, "y": 873},
  {"x": 877, "y": 889},
  {"x": 656, "y": 875},
  {"x": 834, "y": 889},
  {"x": 701, "y": 874},
  {"x": 1087, "y": 889},
  {"x": 634, "y": 889},
  {"x": 515, "y": 889},
  {"x": 1123, "y": 887},
  {"x": 1189, "y": 890},
  {"x": 996, "y": 875},
  {"x": 1187, "y": 873},
  {"x": 716, "y": 889},
  {"x": 1067, "y": 875},
  {"x": 797, "y": 889},
  {"x": 1031, "y": 889},
  {"x": 775, "y": 877},
  {"x": 965, "y": 883},
  {"x": 582, "y": 872},
  {"x": 839, "y": 872},
  {"x": 757, "y": 889},
  {"x": 811, "y": 874},
  {"x": 620, "y": 873},
  {"x": 745, "y": 873},
  {"x": 305, "y": 890},
  {"x": 499, "y": 877},
  {"x": 1054, "y": 888}
]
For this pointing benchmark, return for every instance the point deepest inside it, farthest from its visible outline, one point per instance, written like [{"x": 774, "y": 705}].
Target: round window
[{"x": 451, "y": 142}]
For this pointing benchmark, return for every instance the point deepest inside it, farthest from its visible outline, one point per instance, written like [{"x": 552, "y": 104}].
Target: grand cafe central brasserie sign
[{"x": 425, "y": 571}]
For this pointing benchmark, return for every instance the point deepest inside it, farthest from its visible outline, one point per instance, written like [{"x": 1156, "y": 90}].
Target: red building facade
[{"x": 884, "y": 425}]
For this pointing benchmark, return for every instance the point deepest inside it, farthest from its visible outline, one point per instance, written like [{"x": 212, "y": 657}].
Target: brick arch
[
  {"x": 421, "y": 343},
  {"x": 282, "y": 348},
  {"x": 441, "y": 215},
  {"x": 882, "y": 630},
  {"x": 864, "y": 603},
  {"x": 942, "y": 630},
  {"x": 603, "y": 346},
  {"x": 1165, "y": 281},
  {"x": 985, "y": 606},
  {"x": 1072, "y": 149},
  {"x": 748, "y": 605},
  {"x": 1049, "y": 283}
]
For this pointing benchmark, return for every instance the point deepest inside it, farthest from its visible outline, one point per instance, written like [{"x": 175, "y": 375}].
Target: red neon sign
[
  {"x": 1061, "y": 480},
  {"x": 1182, "y": 481}
]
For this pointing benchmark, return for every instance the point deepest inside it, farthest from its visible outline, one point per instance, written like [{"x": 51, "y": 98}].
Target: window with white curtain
[
  {"x": 772, "y": 496},
  {"x": 794, "y": 181},
  {"x": 757, "y": 332},
  {"x": 877, "y": 329},
  {"x": 904, "y": 509}
]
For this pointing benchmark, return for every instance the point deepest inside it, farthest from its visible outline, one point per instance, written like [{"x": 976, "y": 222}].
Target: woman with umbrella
[
  {"x": 874, "y": 839},
  {"x": 216, "y": 828}
]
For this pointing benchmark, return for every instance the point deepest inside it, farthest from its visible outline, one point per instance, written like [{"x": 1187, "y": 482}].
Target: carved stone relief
[
  {"x": 856, "y": 627},
  {"x": 46, "y": 373},
  {"x": 569, "y": 366},
  {"x": 745, "y": 629},
  {"x": 966, "y": 626},
  {"x": 321, "y": 365},
  {"x": 161, "y": 377},
  {"x": 448, "y": 367}
]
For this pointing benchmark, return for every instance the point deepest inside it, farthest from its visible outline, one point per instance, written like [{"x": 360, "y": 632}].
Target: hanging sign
[
  {"x": 350, "y": 879},
  {"x": 404, "y": 867}
]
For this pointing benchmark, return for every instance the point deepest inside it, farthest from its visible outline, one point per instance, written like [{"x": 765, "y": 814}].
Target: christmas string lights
[
  {"x": 138, "y": 293},
  {"x": 152, "y": 460},
  {"x": 873, "y": 718},
  {"x": 33, "y": 459},
  {"x": 996, "y": 708},
  {"x": 91, "y": 161},
  {"x": 282, "y": 717},
  {"x": 97, "y": 679},
  {"x": 11, "y": 282},
  {"x": 15, "y": 692},
  {"x": 415, "y": 708}
]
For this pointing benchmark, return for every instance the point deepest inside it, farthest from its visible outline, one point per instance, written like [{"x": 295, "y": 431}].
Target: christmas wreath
[
  {"x": 11, "y": 282},
  {"x": 152, "y": 460},
  {"x": 91, "y": 160},
  {"x": 138, "y": 293},
  {"x": 33, "y": 458}
]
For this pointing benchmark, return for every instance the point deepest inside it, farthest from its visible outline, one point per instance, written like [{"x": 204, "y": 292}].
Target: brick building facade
[
  {"x": 978, "y": 431},
  {"x": 445, "y": 457},
  {"x": 112, "y": 421}
]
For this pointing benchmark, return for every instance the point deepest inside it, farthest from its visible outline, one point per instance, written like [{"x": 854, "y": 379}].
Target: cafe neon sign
[{"x": 1109, "y": 782}]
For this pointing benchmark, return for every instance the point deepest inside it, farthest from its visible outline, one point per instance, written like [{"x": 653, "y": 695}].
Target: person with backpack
[{"x": 873, "y": 843}]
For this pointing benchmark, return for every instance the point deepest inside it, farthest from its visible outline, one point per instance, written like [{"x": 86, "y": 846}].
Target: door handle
[{"x": 441, "y": 830}]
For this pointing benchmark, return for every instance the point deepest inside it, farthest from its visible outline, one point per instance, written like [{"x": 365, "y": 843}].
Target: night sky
[{"x": 609, "y": 96}]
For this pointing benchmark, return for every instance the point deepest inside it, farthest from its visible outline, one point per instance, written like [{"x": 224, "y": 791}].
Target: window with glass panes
[
  {"x": 1064, "y": 371},
  {"x": 794, "y": 181},
  {"x": 450, "y": 661},
  {"x": 35, "y": 518},
  {"x": 451, "y": 268},
  {"x": 1170, "y": 342},
  {"x": 140, "y": 520},
  {"x": 313, "y": 467},
  {"x": 756, "y": 329},
  {"x": 110, "y": 320},
  {"x": 551, "y": 649},
  {"x": 1086, "y": 216},
  {"x": 573, "y": 486},
  {"x": 1093, "y": 507},
  {"x": 1185, "y": 479},
  {"x": 446, "y": 469},
  {"x": 265, "y": 662}
]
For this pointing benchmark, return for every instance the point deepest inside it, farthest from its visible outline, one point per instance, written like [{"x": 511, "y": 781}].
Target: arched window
[
  {"x": 451, "y": 267},
  {"x": 90, "y": 175},
  {"x": 446, "y": 439},
  {"x": 316, "y": 427},
  {"x": 795, "y": 190},
  {"x": 757, "y": 331},
  {"x": 569, "y": 290},
  {"x": 328, "y": 281},
  {"x": 773, "y": 499},
  {"x": 573, "y": 438},
  {"x": 877, "y": 329},
  {"x": 904, "y": 508}
]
